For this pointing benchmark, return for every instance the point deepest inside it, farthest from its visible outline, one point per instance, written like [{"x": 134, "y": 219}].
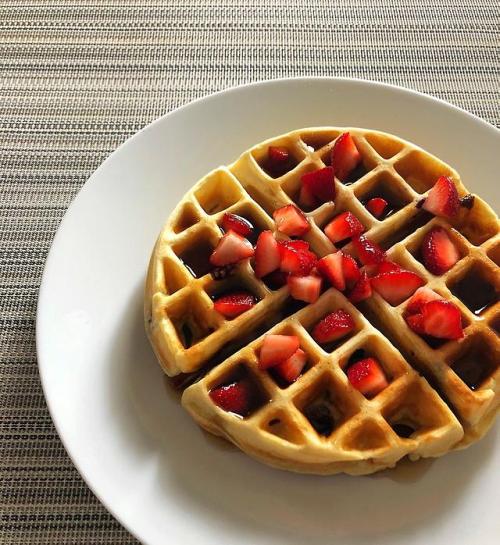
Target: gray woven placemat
[{"x": 78, "y": 77}]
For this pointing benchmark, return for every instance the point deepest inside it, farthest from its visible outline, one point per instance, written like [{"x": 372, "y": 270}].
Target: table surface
[{"x": 79, "y": 77}]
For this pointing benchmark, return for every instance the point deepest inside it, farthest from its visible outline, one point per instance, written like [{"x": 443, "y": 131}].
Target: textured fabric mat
[{"x": 78, "y": 77}]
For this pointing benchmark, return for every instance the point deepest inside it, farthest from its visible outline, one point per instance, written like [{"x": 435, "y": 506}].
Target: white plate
[{"x": 162, "y": 477}]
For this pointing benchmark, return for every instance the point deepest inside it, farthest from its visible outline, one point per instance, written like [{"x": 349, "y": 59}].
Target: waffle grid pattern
[{"x": 389, "y": 165}]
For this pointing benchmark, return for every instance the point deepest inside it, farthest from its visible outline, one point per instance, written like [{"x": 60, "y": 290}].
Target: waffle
[{"x": 445, "y": 393}]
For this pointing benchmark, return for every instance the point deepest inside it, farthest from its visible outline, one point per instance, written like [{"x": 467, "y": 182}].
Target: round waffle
[{"x": 445, "y": 394}]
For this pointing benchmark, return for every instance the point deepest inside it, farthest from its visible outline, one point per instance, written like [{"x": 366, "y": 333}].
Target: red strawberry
[
  {"x": 416, "y": 323},
  {"x": 277, "y": 348},
  {"x": 296, "y": 261},
  {"x": 419, "y": 298},
  {"x": 231, "y": 249},
  {"x": 388, "y": 266},
  {"x": 442, "y": 319},
  {"x": 320, "y": 183},
  {"x": 438, "y": 251},
  {"x": 345, "y": 156},
  {"x": 333, "y": 326},
  {"x": 369, "y": 252},
  {"x": 377, "y": 206},
  {"x": 267, "y": 256},
  {"x": 236, "y": 397},
  {"x": 367, "y": 376},
  {"x": 343, "y": 226},
  {"x": 396, "y": 286},
  {"x": 291, "y": 221},
  {"x": 362, "y": 289},
  {"x": 290, "y": 369},
  {"x": 298, "y": 245},
  {"x": 234, "y": 304},
  {"x": 304, "y": 288},
  {"x": 331, "y": 267},
  {"x": 278, "y": 155},
  {"x": 351, "y": 270},
  {"x": 238, "y": 224},
  {"x": 307, "y": 198},
  {"x": 442, "y": 199}
]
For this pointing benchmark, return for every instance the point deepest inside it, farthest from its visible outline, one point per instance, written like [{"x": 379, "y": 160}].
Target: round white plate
[{"x": 163, "y": 478}]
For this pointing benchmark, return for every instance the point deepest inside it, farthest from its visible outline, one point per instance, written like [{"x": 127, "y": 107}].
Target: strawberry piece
[
  {"x": 369, "y": 252},
  {"x": 343, "y": 226},
  {"x": 278, "y": 155},
  {"x": 377, "y": 206},
  {"x": 345, "y": 156},
  {"x": 320, "y": 183},
  {"x": 231, "y": 249},
  {"x": 267, "y": 255},
  {"x": 438, "y": 251},
  {"x": 442, "y": 319},
  {"x": 290, "y": 369},
  {"x": 388, "y": 266},
  {"x": 419, "y": 298},
  {"x": 236, "y": 397},
  {"x": 367, "y": 376},
  {"x": 442, "y": 199},
  {"x": 234, "y": 304},
  {"x": 307, "y": 198},
  {"x": 291, "y": 221},
  {"x": 294, "y": 260},
  {"x": 304, "y": 288},
  {"x": 331, "y": 267},
  {"x": 298, "y": 245},
  {"x": 362, "y": 289},
  {"x": 333, "y": 326},
  {"x": 238, "y": 224},
  {"x": 350, "y": 269},
  {"x": 396, "y": 286},
  {"x": 277, "y": 348},
  {"x": 416, "y": 323}
]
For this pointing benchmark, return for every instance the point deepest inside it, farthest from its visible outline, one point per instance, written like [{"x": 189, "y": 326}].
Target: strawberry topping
[
  {"x": 277, "y": 348},
  {"x": 333, "y": 326},
  {"x": 304, "y": 288},
  {"x": 290, "y": 369},
  {"x": 442, "y": 319},
  {"x": 231, "y": 249},
  {"x": 367, "y": 376},
  {"x": 396, "y": 286},
  {"x": 234, "y": 304},
  {"x": 320, "y": 184},
  {"x": 344, "y": 226},
  {"x": 419, "y": 298},
  {"x": 291, "y": 221},
  {"x": 369, "y": 252},
  {"x": 377, "y": 206},
  {"x": 307, "y": 198},
  {"x": 439, "y": 254},
  {"x": 236, "y": 223},
  {"x": 362, "y": 289},
  {"x": 236, "y": 397},
  {"x": 267, "y": 255},
  {"x": 295, "y": 259},
  {"x": 278, "y": 155},
  {"x": 442, "y": 199},
  {"x": 388, "y": 266},
  {"x": 345, "y": 156},
  {"x": 331, "y": 267},
  {"x": 351, "y": 270}
]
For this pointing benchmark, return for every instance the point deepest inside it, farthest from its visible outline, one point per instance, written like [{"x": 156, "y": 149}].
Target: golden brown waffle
[{"x": 453, "y": 406}]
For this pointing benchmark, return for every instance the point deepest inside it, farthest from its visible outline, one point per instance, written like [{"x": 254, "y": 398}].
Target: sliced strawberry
[
  {"x": 238, "y": 224},
  {"x": 438, "y": 251},
  {"x": 291, "y": 221},
  {"x": 290, "y": 369},
  {"x": 388, "y": 266},
  {"x": 362, "y": 289},
  {"x": 296, "y": 261},
  {"x": 416, "y": 323},
  {"x": 369, "y": 252},
  {"x": 333, "y": 326},
  {"x": 331, "y": 267},
  {"x": 351, "y": 270},
  {"x": 442, "y": 319},
  {"x": 234, "y": 304},
  {"x": 267, "y": 256},
  {"x": 236, "y": 397},
  {"x": 419, "y": 298},
  {"x": 307, "y": 198},
  {"x": 304, "y": 288},
  {"x": 320, "y": 183},
  {"x": 278, "y": 155},
  {"x": 298, "y": 245},
  {"x": 343, "y": 226},
  {"x": 231, "y": 249},
  {"x": 367, "y": 376},
  {"x": 345, "y": 156},
  {"x": 377, "y": 206},
  {"x": 442, "y": 199},
  {"x": 396, "y": 286},
  {"x": 277, "y": 348}
]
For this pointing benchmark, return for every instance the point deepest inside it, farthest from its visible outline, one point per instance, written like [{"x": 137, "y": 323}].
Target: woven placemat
[{"x": 78, "y": 77}]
